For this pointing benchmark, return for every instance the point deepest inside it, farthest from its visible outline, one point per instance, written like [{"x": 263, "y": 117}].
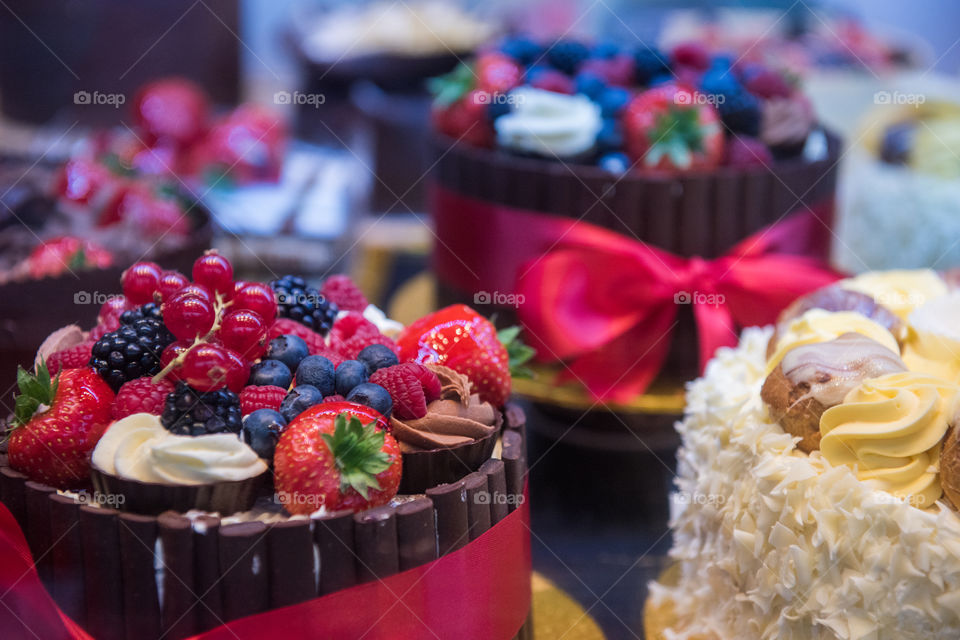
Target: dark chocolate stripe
[
  {"x": 38, "y": 524},
  {"x": 514, "y": 466},
  {"x": 333, "y": 534},
  {"x": 290, "y": 558},
  {"x": 243, "y": 565},
  {"x": 375, "y": 535},
  {"x": 450, "y": 501},
  {"x": 103, "y": 578},
  {"x": 497, "y": 486},
  {"x": 206, "y": 567},
  {"x": 66, "y": 557},
  {"x": 478, "y": 504},
  {"x": 178, "y": 611},
  {"x": 138, "y": 538},
  {"x": 416, "y": 533},
  {"x": 13, "y": 494}
]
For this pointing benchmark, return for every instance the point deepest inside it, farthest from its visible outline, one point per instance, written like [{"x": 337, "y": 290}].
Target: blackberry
[
  {"x": 149, "y": 310},
  {"x": 740, "y": 112},
  {"x": 648, "y": 64},
  {"x": 188, "y": 412},
  {"x": 130, "y": 352},
  {"x": 306, "y": 305},
  {"x": 567, "y": 55}
]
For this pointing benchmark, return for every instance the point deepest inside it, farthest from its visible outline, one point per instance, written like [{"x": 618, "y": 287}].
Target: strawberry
[
  {"x": 58, "y": 422},
  {"x": 247, "y": 145},
  {"x": 460, "y": 338},
  {"x": 672, "y": 128},
  {"x": 81, "y": 179},
  {"x": 72, "y": 358},
  {"x": 338, "y": 455},
  {"x": 460, "y": 106},
  {"x": 496, "y": 72},
  {"x": 171, "y": 110},
  {"x": 66, "y": 253},
  {"x": 157, "y": 217}
]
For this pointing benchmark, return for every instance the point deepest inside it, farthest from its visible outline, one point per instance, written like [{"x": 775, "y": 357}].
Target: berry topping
[
  {"x": 245, "y": 332},
  {"x": 238, "y": 371},
  {"x": 53, "y": 445},
  {"x": 341, "y": 290},
  {"x": 173, "y": 110},
  {"x": 170, "y": 283},
  {"x": 288, "y": 349},
  {"x": 111, "y": 311},
  {"x": 691, "y": 54},
  {"x": 377, "y": 356},
  {"x": 318, "y": 372},
  {"x": 270, "y": 373},
  {"x": 149, "y": 310},
  {"x": 188, "y": 412},
  {"x": 214, "y": 271},
  {"x": 648, "y": 64},
  {"x": 300, "y": 398},
  {"x": 349, "y": 374},
  {"x": 373, "y": 396},
  {"x": 205, "y": 367},
  {"x": 140, "y": 281},
  {"x": 411, "y": 385},
  {"x": 335, "y": 398},
  {"x": 173, "y": 351},
  {"x": 339, "y": 456},
  {"x": 743, "y": 151},
  {"x": 253, "y": 398},
  {"x": 352, "y": 332},
  {"x": 566, "y": 55},
  {"x": 60, "y": 255},
  {"x": 257, "y": 297},
  {"x": 130, "y": 352},
  {"x": 73, "y": 358},
  {"x": 142, "y": 395},
  {"x": 261, "y": 430},
  {"x": 285, "y": 326},
  {"x": 188, "y": 315},
  {"x": 304, "y": 304}
]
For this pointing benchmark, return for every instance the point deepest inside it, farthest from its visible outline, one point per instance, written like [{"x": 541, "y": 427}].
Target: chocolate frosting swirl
[{"x": 457, "y": 417}]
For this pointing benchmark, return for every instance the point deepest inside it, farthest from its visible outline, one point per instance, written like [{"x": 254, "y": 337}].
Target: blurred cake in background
[{"x": 900, "y": 202}]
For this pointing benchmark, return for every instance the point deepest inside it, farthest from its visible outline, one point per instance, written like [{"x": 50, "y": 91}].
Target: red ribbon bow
[{"x": 608, "y": 304}]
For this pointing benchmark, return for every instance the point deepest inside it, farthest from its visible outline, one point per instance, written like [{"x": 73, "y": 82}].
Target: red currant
[
  {"x": 187, "y": 316},
  {"x": 245, "y": 332},
  {"x": 112, "y": 309},
  {"x": 174, "y": 350},
  {"x": 139, "y": 282},
  {"x": 238, "y": 286},
  {"x": 205, "y": 367},
  {"x": 197, "y": 291},
  {"x": 238, "y": 371},
  {"x": 170, "y": 283},
  {"x": 257, "y": 297},
  {"x": 214, "y": 271}
]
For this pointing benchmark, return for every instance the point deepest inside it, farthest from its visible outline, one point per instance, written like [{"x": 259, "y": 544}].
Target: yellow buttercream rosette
[{"x": 890, "y": 429}]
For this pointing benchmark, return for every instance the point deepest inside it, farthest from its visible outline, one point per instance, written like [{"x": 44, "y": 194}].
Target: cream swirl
[
  {"x": 817, "y": 325},
  {"x": 549, "y": 124},
  {"x": 138, "y": 447},
  {"x": 901, "y": 291},
  {"x": 933, "y": 344},
  {"x": 889, "y": 429}
]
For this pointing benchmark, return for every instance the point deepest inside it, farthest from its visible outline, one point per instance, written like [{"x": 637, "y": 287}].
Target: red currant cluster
[{"x": 220, "y": 325}]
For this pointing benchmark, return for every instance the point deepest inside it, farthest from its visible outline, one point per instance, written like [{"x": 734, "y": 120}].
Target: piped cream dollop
[
  {"x": 818, "y": 325},
  {"x": 138, "y": 447},
  {"x": 902, "y": 291},
  {"x": 933, "y": 343},
  {"x": 549, "y": 124}
]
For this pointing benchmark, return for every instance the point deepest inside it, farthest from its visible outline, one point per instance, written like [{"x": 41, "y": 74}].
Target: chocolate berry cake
[{"x": 214, "y": 449}]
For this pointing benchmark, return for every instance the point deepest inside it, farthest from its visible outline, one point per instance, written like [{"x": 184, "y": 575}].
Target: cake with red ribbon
[
  {"x": 216, "y": 450},
  {"x": 817, "y": 486},
  {"x": 647, "y": 194}
]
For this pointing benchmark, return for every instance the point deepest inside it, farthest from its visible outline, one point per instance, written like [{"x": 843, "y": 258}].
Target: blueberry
[
  {"x": 612, "y": 101},
  {"x": 373, "y": 396},
  {"x": 523, "y": 50},
  {"x": 610, "y": 136},
  {"x": 272, "y": 372},
  {"x": 300, "y": 398},
  {"x": 615, "y": 162},
  {"x": 288, "y": 349},
  {"x": 316, "y": 371},
  {"x": 262, "y": 429},
  {"x": 377, "y": 356},
  {"x": 349, "y": 374},
  {"x": 605, "y": 50},
  {"x": 589, "y": 84}
]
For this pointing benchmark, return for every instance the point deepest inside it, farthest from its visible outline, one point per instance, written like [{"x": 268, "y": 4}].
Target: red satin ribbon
[
  {"x": 480, "y": 592},
  {"x": 607, "y": 303}
]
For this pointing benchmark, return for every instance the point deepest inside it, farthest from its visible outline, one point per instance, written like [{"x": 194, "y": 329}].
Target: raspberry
[
  {"x": 411, "y": 385},
  {"x": 286, "y": 326},
  {"x": 329, "y": 354},
  {"x": 343, "y": 292},
  {"x": 691, "y": 54},
  {"x": 335, "y": 398},
  {"x": 262, "y": 397},
  {"x": 349, "y": 349},
  {"x": 142, "y": 395},
  {"x": 73, "y": 358},
  {"x": 766, "y": 83},
  {"x": 743, "y": 151},
  {"x": 352, "y": 332}
]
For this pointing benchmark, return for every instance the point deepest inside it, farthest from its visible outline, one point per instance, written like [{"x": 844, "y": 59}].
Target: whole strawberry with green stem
[
  {"x": 672, "y": 128},
  {"x": 338, "y": 455},
  {"x": 58, "y": 421},
  {"x": 460, "y": 338}
]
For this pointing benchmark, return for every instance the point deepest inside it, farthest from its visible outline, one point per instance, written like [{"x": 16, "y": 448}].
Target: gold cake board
[{"x": 557, "y": 615}]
